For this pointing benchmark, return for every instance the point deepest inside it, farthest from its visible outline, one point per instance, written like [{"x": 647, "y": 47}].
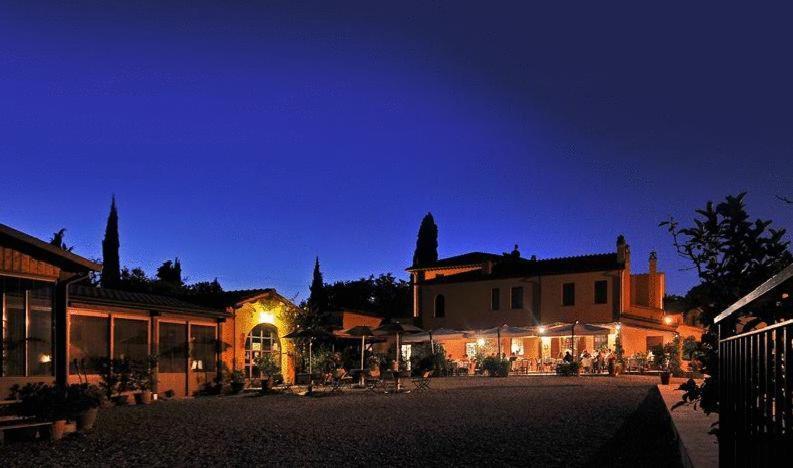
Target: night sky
[{"x": 247, "y": 139}]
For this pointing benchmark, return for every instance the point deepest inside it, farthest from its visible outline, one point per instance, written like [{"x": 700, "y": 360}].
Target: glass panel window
[
  {"x": 202, "y": 351},
  {"x": 130, "y": 339},
  {"x": 601, "y": 342},
  {"x": 88, "y": 343},
  {"x": 470, "y": 349},
  {"x": 517, "y": 346},
  {"x": 173, "y": 347},
  {"x": 26, "y": 308},
  {"x": 495, "y": 298},
  {"x": 14, "y": 328},
  {"x": 262, "y": 339},
  {"x": 601, "y": 292},
  {"x": 40, "y": 332},
  {"x": 517, "y": 297},
  {"x": 568, "y": 294}
]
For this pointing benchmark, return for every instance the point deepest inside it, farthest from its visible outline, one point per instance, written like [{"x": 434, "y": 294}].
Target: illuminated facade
[{"x": 478, "y": 291}]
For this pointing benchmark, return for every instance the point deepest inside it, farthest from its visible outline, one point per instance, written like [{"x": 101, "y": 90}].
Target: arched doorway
[{"x": 262, "y": 339}]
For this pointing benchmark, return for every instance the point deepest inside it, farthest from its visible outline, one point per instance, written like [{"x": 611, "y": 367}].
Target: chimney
[
  {"x": 653, "y": 262},
  {"x": 623, "y": 251},
  {"x": 487, "y": 267}
]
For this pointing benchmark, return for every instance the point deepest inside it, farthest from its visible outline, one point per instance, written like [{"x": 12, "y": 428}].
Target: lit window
[
  {"x": 517, "y": 346},
  {"x": 202, "y": 348}
]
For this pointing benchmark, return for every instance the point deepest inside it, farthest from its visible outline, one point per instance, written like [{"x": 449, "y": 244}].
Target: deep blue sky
[{"x": 247, "y": 139}]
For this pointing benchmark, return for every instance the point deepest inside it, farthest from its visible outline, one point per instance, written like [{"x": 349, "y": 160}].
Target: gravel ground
[{"x": 542, "y": 421}]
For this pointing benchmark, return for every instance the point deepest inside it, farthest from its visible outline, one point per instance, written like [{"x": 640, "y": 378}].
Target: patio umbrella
[
  {"x": 309, "y": 333},
  {"x": 436, "y": 334},
  {"x": 397, "y": 328},
  {"x": 363, "y": 332}
]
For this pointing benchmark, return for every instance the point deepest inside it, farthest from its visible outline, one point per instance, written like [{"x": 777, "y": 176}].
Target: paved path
[
  {"x": 700, "y": 448},
  {"x": 517, "y": 421}
]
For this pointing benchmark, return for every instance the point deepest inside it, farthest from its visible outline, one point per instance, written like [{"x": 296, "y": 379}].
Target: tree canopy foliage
[
  {"x": 58, "y": 240},
  {"x": 732, "y": 254},
  {"x": 383, "y": 294}
]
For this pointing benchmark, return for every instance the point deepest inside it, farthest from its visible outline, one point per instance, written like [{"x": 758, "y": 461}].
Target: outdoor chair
[
  {"x": 422, "y": 382},
  {"x": 373, "y": 380},
  {"x": 339, "y": 381}
]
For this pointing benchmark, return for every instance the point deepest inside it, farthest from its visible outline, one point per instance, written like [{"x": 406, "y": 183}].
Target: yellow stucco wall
[{"x": 271, "y": 310}]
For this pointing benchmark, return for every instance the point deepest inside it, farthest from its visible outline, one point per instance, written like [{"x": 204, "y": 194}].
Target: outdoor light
[
  {"x": 785, "y": 295},
  {"x": 45, "y": 358},
  {"x": 667, "y": 319},
  {"x": 266, "y": 316},
  {"x": 541, "y": 329},
  {"x": 480, "y": 342},
  {"x": 619, "y": 326}
]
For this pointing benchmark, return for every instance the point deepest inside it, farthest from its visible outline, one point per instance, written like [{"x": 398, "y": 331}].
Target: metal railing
[{"x": 755, "y": 407}]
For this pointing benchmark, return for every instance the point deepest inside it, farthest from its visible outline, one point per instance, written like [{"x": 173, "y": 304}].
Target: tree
[
  {"x": 111, "y": 262},
  {"x": 427, "y": 242},
  {"x": 58, "y": 240},
  {"x": 318, "y": 300},
  {"x": 383, "y": 294},
  {"x": 169, "y": 277},
  {"x": 732, "y": 255},
  {"x": 135, "y": 280}
]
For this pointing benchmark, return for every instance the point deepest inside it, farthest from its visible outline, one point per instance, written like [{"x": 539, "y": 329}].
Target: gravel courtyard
[{"x": 538, "y": 421}]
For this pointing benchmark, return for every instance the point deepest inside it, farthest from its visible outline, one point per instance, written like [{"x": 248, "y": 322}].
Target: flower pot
[
  {"x": 58, "y": 429},
  {"x": 665, "y": 378},
  {"x": 143, "y": 398},
  {"x": 86, "y": 419}
]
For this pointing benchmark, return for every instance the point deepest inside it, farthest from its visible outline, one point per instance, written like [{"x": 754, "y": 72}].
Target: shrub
[
  {"x": 496, "y": 367},
  {"x": 567, "y": 368},
  {"x": 82, "y": 397}
]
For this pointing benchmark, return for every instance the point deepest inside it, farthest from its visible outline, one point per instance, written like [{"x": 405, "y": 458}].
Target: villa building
[
  {"x": 56, "y": 328},
  {"x": 477, "y": 291}
]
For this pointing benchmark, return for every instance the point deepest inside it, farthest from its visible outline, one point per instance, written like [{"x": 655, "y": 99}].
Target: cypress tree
[
  {"x": 111, "y": 263},
  {"x": 318, "y": 301},
  {"x": 427, "y": 242}
]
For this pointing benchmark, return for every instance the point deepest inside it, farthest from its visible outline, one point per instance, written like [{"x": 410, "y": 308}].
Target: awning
[
  {"x": 577, "y": 329},
  {"x": 437, "y": 334},
  {"x": 504, "y": 331}
]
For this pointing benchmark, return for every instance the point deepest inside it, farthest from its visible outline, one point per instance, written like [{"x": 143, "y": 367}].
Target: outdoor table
[
  {"x": 397, "y": 379},
  {"x": 358, "y": 374}
]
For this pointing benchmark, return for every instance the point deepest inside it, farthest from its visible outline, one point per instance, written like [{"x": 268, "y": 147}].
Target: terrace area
[{"x": 520, "y": 420}]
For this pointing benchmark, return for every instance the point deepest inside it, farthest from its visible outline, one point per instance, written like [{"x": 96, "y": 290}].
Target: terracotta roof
[
  {"x": 471, "y": 258},
  {"x": 507, "y": 267},
  {"x": 47, "y": 251},
  {"x": 137, "y": 300}
]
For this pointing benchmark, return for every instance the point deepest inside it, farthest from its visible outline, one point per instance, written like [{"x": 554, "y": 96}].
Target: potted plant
[
  {"x": 115, "y": 379},
  {"x": 237, "y": 381},
  {"x": 44, "y": 403},
  {"x": 83, "y": 401},
  {"x": 268, "y": 368},
  {"x": 142, "y": 379}
]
